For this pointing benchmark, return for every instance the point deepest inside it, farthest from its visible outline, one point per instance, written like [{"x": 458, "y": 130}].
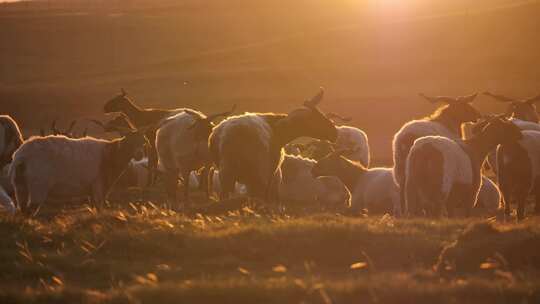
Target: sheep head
[
  {"x": 308, "y": 121},
  {"x": 119, "y": 124},
  {"x": 202, "y": 127},
  {"x": 132, "y": 145},
  {"x": 455, "y": 109},
  {"x": 524, "y": 109},
  {"x": 501, "y": 129},
  {"x": 118, "y": 103}
]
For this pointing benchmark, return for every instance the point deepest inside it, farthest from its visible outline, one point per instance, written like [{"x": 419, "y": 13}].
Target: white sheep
[
  {"x": 518, "y": 172},
  {"x": 446, "y": 121},
  {"x": 352, "y": 139},
  {"x": 10, "y": 139},
  {"x": 249, "y": 148},
  {"x": 182, "y": 147},
  {"x": 373, "y": 188},
  {"x": 62, "y": 167},
  {"x": 445, "y": 173},
  {"x": 299, "y": 185}
]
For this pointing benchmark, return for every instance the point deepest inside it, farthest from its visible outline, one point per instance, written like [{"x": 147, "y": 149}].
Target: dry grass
[{"x": 145, "y": 254}]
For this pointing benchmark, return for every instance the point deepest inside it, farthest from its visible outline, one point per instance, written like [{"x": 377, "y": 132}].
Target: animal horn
[
  {"x": 41, "y": 132},
  {"x": 123, "y": 92},
  {"x": 532, "y": 100},
  {"x": 501, "y": 98},
  {"x": 85, "y": 132},
  {"x": 315, "y": 100},
  {"x": 467, "y": 98},
  {"x": 436, "y": 99},
  {"x": 332, "y": 115}
]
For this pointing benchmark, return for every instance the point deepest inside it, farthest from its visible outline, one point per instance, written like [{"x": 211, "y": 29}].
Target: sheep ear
[
  {"x": 467, "y": 98},
  {"x": 315, "y": 100},
  {"x": 499, "y": 97}
]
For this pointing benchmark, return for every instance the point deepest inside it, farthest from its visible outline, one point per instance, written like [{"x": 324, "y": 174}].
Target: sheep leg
[
  {"x": 38, "y": 194},
  {"x": 521, "y": 208},
  {"x": 21, "y": 196},
  {"x": 171, "y": 182},
  {"x": 185, "y": 176},
  {"x": 152, "y": 165},
  {"x": 204, "y": 181},
  {"x": 98, "y": 196},
  {"x": 227, "y": 181}
]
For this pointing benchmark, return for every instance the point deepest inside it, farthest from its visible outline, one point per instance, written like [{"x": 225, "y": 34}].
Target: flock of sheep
[{"x": 438, "y": 160}]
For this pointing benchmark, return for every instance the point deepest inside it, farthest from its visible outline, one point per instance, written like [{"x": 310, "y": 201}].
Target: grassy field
[{"x": 145, "y": 254}]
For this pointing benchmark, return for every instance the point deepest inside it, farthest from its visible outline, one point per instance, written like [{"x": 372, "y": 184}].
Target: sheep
[
  {"x": 352, "y": 139},
  {"x": 248, "y": 148},
  {"x": 446, "y": 172},
  {"x": 445, "y": 121},
  {"x": 518, "y": 172},
  {"x": 489, "y": 196},
  {"x": 182, "y": 147},
  {"x": 299, "y": 185},
  {"x": 523, "y": 109},
  {"x": 139, "y": 118},
  {"x": 373, "y": 188},
  {"x": 56, "y": 166},
  {"x": 10, "y": 139}
]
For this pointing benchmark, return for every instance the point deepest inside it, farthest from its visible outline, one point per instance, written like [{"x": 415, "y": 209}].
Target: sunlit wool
[
  {"x": 442, "y": 173},
  {"x": 299, "y": 185},
  {"x": 373, "y": 188},
  {"x": 248, "y": 148},
  {"x": 62, "y": 167}
]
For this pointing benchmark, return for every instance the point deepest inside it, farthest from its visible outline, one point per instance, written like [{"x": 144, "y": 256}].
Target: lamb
[
  {"x": 446, "y": 122},
  {"x": 442, "y": 172},
  {"x": 299, "y": 185},
  {"x": 352, "y": 139},
  {"x": 140, "y": 118},
  {"x": 182, "y": 147},
  {"x": 249, "y": 148},
  {"x": 62, "y": 167},
  {"x": 372, "y": 189},
  {"x": 518, "y": 172},
  {"x": 10, "y": 139}
]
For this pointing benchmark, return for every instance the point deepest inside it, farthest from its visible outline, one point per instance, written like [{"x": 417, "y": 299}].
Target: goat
[
  {"x": 445, "y": 121},
  {"x": 10, "y": 139},
  {"x": 58, "y": 166},
  {"x": 518, "y": 172},
  {"x": 373, "y": 188},
  {"x": 299, "y": 185},
  {"x": 249, "y": 148},
  {"x": 182, "y": 147},
  {"x": 139, "y": 118},
  {"x": 524, "y": 109},
  {"x": 445, "y": 172},
  {"x": 352, "y": 139}
]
